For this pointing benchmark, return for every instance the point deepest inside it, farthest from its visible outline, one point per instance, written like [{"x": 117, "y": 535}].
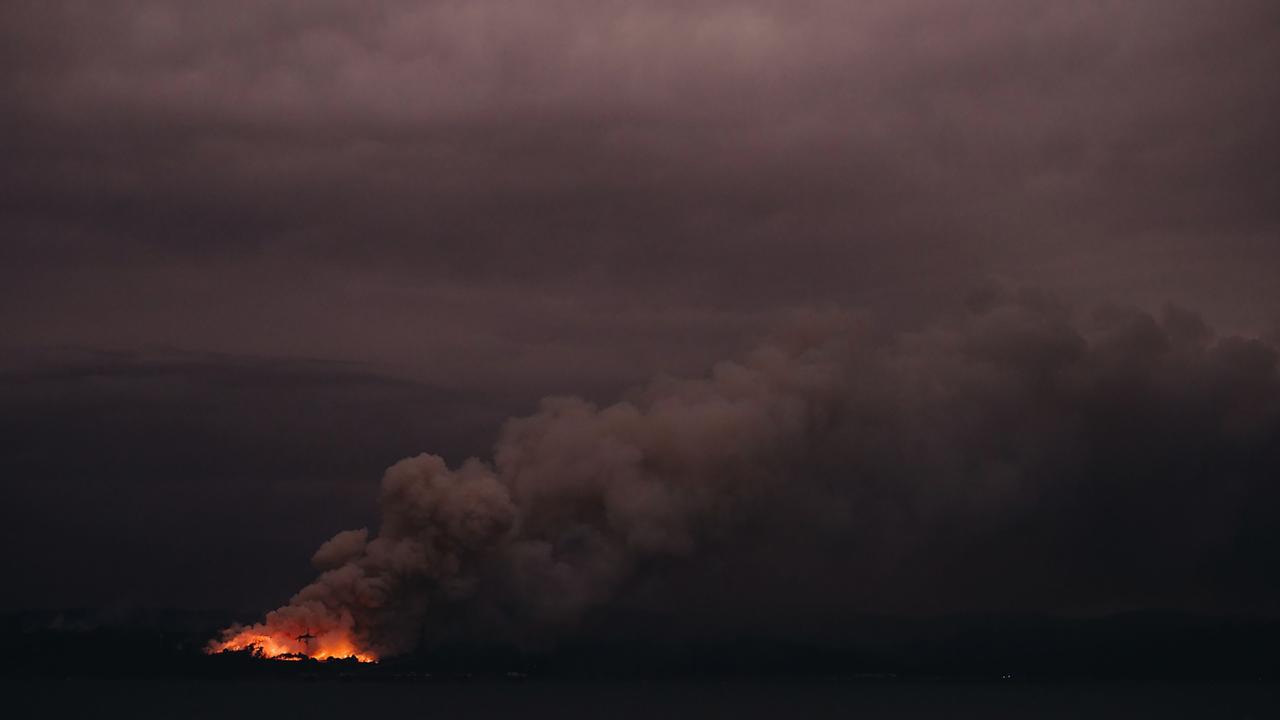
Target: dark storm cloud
[{"x": 801, "y": 147}]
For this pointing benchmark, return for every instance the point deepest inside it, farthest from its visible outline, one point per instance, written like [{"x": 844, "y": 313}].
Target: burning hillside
[{"x": 277, "y": 643}]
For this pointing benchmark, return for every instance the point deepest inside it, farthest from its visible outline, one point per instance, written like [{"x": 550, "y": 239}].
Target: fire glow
[{"x": 335, "y": 645}]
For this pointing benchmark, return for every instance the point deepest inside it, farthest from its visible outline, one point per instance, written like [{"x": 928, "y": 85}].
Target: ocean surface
[{"x": 318, "y": 699}]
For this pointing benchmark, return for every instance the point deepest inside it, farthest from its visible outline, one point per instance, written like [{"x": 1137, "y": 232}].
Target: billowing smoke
[{"x": 1019, "y": 455}]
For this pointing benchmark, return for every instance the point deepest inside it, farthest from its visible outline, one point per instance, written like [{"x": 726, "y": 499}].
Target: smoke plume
[{"x": 1020, "y": 454}]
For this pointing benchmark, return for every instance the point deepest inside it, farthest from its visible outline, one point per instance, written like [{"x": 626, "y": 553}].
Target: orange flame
[{"x": 275, "y": 646}]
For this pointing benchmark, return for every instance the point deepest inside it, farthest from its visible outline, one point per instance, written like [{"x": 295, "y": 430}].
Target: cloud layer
[{"x": 261, "y": 166}]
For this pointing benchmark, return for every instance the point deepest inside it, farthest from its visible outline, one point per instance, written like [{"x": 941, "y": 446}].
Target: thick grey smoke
[{"x": 1017, "y": 455}]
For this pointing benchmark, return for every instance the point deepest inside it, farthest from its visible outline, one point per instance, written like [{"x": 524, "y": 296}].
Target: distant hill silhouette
[{"x": 1150, "y": 645}]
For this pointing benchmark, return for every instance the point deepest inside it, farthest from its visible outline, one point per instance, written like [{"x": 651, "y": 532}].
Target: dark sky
[{"x": 253, "y": 253}]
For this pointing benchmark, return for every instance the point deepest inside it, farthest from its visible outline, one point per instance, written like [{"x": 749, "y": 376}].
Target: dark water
[{"x": 318, "y": 700}]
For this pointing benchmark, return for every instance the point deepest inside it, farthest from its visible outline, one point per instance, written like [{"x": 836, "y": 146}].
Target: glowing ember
[{"x": 258, "y": 640}]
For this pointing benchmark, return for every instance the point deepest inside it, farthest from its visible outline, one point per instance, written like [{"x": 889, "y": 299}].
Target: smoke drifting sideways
[{"x": 1019, "y": 456}]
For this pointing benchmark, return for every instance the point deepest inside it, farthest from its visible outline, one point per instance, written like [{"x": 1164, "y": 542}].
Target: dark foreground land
[{"x": 1149, "y": 665}]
